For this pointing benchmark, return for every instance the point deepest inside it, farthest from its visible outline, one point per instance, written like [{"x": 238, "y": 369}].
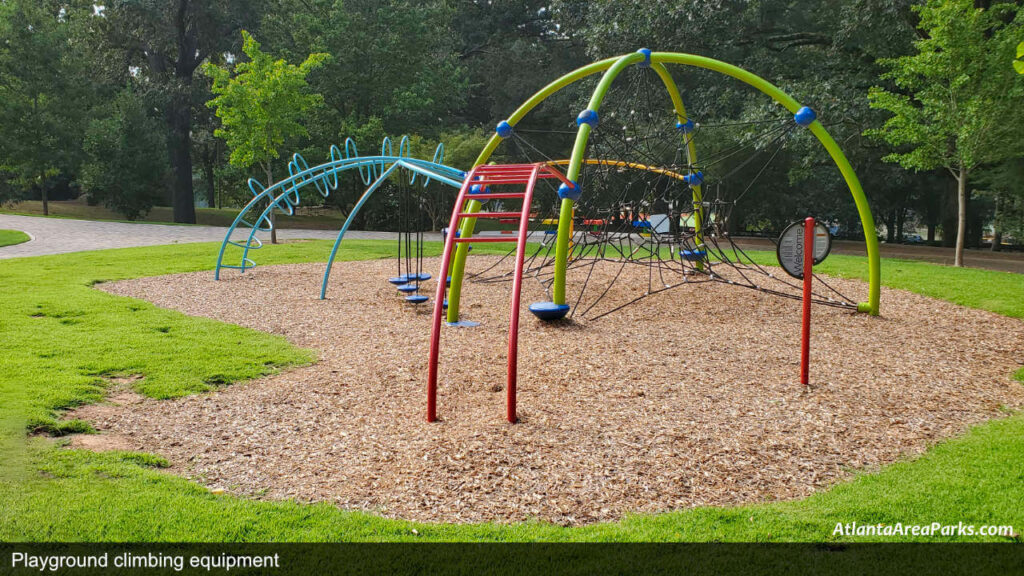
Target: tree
[
  {"x": 824, "y": 58},
  {"x": 958, "y": 106},
  {"x": 127, "y": 166},
  {"x": 262, "y": 105},
  {"x": 1018, "y": 64},
  {"x": 1003, "y": 183},
  {"x": 393, "y": 63},
  {"x": 168, "y": 40},
  {"x": 40, "y": 115}
]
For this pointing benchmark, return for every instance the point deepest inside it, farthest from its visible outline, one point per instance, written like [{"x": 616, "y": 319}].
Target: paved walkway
[{"x": 61, "y": 235}]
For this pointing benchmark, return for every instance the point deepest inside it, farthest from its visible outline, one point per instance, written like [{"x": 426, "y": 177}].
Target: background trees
[
  {"x": 41, "y": 98},
  {"x": 126, "y": 167},
  {"x": 956, "y": 105},
  {"x": 443, "y": 70},
  {"x": 169, "y": 39},
  {"x": 262, "y": 105}
]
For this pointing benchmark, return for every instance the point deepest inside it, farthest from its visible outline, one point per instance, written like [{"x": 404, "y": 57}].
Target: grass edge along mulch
[{"x": 78, "y": 495}]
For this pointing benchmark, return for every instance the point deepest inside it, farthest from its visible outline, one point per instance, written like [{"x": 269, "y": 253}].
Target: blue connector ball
[
  {"x": 478, "y": 189},
  {"x": 587, "y": 117},
  {"x": 685, "y": 127},
  {"x": 804, "y": 116},
  {"x": 694, "y": 178},
  {"x": 504, "y": 129},
  {"x": 567, "y": 192},
  {"x": 647, "y": 56}
]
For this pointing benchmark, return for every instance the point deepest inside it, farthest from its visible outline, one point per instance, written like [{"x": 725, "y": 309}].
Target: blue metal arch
[{"x": 284, "y": 194}]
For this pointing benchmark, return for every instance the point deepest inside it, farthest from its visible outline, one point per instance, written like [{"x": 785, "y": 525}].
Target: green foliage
[
  {"x": 393, "y": 62},
  {"x": 823, "y": 58},
  {"x": 1003, "y": 184},
  {"x": 127, "y": 166},
  {"x": 59, "y": 338},
  {"x": 1018, "y": 64},
  {"x": 40, "y": 114},
  {"x": 431, "y": 67},
  {"x": 164, "y": 42},
  {"x": 957, "y": 105},
  {"x": 263, "y": 104}
]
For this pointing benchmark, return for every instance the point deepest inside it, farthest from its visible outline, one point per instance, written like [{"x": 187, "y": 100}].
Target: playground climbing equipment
[
  {"x": 700, "y": 252},
  {"x": 635, "y": 192},
  {"x": 501, "y": 182},
  {"x": 284, "y": 196}
]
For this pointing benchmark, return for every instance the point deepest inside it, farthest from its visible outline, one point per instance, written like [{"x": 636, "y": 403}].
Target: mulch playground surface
[{"x": 689, "y": 398}]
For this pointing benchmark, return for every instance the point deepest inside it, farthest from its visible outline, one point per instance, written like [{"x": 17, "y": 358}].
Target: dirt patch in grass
[
  {"x": 689, "y": 398},
  {"x": 101, "y": 442},
  {"x": 118, "y": 398}
]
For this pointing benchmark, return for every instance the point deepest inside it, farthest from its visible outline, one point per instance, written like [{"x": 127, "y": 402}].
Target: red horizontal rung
[
  {"x": 486, "y": 168},
  {"x": 475, "y": 239},
  {"x": 504, "y": 179},
  {"x": 489, "y": 214},
  {"x": 506, "y": 170},
  {"x": 495, "y": 195}
]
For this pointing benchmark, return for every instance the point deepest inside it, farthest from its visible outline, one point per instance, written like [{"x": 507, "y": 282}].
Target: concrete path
[{"x": 62, "y": 235}]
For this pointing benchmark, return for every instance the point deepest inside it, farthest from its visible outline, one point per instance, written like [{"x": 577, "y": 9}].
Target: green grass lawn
[
  {"x": 12, "y": 237},
  {"x": 61, "y": 340}
]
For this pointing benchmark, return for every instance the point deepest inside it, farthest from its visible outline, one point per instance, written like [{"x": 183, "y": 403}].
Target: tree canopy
[
  {"x": 82, "y": 84},
  {"x": 955, "y": 105}
]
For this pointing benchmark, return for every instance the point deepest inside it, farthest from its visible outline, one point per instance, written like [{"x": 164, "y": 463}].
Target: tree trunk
[
  {"x": 42, "y": 191},
  {"x": 273, "y": 214},
  {"x": 179, "y": 144},
  {"x": 961, "y": 216},
  {"x": 931, "y": 232},
  {"x": 211, "y": 188},
  {"x": 997, "y": 234}
]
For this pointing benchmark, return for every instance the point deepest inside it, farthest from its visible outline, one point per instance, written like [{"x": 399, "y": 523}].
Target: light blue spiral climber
[{"x": 284, "y": 196}]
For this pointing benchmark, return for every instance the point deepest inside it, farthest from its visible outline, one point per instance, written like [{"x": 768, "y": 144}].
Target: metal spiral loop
[{"x": 352, "y": 153}]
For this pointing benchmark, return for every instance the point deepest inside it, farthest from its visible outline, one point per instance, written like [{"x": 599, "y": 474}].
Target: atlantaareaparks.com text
[{"x": 933, "y": 529}]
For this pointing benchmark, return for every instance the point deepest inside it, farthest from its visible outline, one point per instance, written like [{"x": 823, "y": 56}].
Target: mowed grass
[
  {"x": 12, "y": 237},
  {"x": 62, "y": 341}
]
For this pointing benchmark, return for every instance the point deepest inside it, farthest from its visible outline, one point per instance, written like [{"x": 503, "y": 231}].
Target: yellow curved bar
[
  {"x": 691, "y": 152},
  {"x": 819, "y": 131},
  {"x": 621, "y": 164}
]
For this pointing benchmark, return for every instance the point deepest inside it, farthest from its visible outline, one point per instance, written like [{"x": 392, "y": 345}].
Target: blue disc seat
[{"x": 549, "y": 310}]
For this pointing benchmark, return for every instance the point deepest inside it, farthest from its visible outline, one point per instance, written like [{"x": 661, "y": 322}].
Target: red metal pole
[
  {"x": 805, "y": 337},
  {"x": 435, "y": 333},
  {"x": 517, "y": 284}
]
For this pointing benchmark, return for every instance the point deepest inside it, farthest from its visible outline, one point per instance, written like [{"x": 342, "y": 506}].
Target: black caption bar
[{"x": 511, "y": 559}]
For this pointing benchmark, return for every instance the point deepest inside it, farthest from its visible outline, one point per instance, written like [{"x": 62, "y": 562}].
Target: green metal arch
[{"x": 611, "y": 68}]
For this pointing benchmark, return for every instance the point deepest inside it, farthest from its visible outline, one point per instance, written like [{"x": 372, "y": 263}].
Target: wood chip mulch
[{"x": 690, "y": 398}]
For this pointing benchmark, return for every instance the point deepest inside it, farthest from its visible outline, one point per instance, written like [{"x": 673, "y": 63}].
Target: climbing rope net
[{"x": 648, "y": 201}]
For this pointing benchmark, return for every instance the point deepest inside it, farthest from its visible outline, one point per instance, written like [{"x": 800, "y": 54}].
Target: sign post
[
  {"x": 805, "y": 333},
  {"x": 801, "y": 246}
]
